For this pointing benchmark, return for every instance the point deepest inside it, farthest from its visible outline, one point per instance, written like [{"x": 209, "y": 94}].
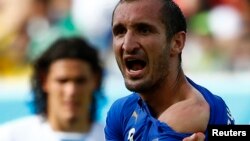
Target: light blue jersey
[{"x": 129, "y": 119}]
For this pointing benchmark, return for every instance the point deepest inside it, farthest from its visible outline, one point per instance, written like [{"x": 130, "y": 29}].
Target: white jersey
[{"x": 35, "y": 128}]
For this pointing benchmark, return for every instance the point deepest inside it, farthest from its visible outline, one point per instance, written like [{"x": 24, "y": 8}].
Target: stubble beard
[{"x": 151, "y": 83}]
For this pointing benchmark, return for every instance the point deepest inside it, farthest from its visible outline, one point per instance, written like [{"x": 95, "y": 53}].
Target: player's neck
[
  {"x": 168, "y": 94},
  {"x": 72, "y": 125}
]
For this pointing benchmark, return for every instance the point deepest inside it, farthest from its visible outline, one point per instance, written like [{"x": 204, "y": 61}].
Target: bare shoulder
[{"x": 189, "y": 115}]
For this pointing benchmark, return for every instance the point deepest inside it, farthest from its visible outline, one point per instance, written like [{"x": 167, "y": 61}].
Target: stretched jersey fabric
[
  {"x": 36, "y": 128},
  {"x": 129, "y": 119}
]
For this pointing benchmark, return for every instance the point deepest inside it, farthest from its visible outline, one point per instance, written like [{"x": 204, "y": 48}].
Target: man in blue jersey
[{"x": 148, "y": 39}]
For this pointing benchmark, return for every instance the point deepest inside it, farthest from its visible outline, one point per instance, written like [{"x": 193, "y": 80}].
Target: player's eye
[
  {"x": 144, "y": 29},
  {"x": 119, "y": 30}
]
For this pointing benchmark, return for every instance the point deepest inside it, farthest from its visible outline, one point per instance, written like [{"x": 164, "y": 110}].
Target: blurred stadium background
[{"x": 217, "y": 52}]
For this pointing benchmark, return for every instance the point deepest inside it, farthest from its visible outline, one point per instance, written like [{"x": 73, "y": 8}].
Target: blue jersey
[{"x": 129, "y": 119}]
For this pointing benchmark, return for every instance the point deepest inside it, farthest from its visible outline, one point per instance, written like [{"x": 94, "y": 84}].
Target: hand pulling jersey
[{"x": 129, "y": 119}]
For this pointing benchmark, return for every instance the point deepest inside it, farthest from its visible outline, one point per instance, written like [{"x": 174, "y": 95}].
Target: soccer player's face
[
  {"x": 69, "y": 85},
  {"x": 140, "y": 44}
]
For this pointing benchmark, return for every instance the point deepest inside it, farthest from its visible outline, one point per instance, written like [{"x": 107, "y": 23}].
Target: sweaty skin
[{"x": 139, "y": 34}]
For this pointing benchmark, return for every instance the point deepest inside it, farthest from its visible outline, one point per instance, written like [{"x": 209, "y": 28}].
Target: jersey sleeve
[
  {"x": 222, "y": 114},
  {"x": 5, "y": 133},
  {"x": 113, "y": 127},
  {"x": 118, "y": 116}
]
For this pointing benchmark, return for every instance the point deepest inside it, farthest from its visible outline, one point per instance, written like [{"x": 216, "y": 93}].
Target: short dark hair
[
  {"x": 173, "y": 18},
  {"x": 71, "y": 47},
  {"x": 171, "y": 15}
]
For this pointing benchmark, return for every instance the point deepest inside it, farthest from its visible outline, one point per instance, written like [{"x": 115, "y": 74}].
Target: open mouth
[
  {"x": 135, "y": 67},
  {"x": 135, "y": 64}
]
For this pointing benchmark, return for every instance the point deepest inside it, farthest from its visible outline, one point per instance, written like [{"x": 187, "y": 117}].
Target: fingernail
[{"x": 193, "y": 136}]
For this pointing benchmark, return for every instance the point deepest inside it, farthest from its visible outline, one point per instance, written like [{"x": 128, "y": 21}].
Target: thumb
[{"x": 195, "y": 137}]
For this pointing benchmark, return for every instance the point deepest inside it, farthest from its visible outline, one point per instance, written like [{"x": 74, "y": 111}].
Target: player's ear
[{"x": 178, "y": 43}]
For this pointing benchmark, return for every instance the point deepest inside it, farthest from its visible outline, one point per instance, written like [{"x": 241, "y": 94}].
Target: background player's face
[
  {"x": 140, "y": 44},
  {"x": 69, "y": 85}
]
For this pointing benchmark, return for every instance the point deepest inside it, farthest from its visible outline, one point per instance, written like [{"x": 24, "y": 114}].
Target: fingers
[
  {"x": 195, "y": 137},
  {"x": 190, "y": 138},
  {"x": 200, "y": 136}
]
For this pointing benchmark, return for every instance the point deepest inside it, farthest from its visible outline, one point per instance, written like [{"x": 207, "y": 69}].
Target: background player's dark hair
[{"x": 76, "y": 48}]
